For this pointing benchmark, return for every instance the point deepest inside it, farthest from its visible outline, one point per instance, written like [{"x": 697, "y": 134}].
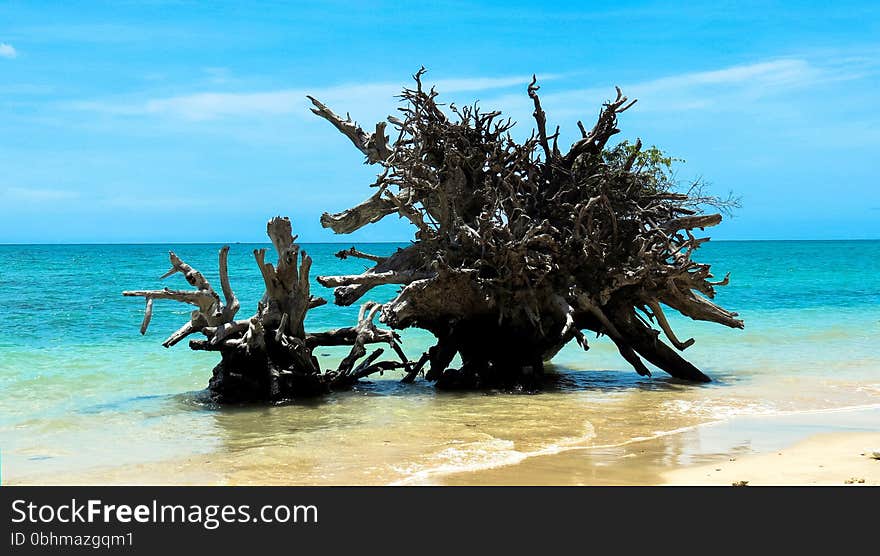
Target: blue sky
[{"x": 186, "y": 121}]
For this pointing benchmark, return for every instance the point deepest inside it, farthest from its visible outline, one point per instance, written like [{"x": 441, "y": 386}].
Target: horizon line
[{"x": 121, "y": 243}]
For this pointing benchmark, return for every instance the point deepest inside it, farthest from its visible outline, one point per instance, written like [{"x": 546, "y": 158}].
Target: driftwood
[
  {"x": 520, "y": 247},
  {"x": 268, "y": 357}
]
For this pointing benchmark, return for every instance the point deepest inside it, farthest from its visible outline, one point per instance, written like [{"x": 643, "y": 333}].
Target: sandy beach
[
  {"x": 802, "y": 448},
  {"x": 831, "y": 459},
  {"x": 793, "y": 449},
  {"x": 826, "y": 459}
]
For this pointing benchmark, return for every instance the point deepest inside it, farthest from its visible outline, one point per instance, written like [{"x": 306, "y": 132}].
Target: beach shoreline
[
  {"x": 830, "y": 459},
  {"x": 103, "y": 405},
  {"x": 828, "y": 447}
]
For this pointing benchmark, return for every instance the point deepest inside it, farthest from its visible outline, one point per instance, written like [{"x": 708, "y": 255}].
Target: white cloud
[
  {"x": 778, "y": 72},
  {"x": 147, "y": 201},
  {"x": 218, "y": 76},
  {"x": 370, "y": 100},
  {"x": 734, "y": 88},
  {"x": 29, "y": 194},
  {"x": 7, "y": 50},
  {"x": 482, "y": 83},
  {"x": 747, "y": 82},
  {"x": 761, "y": 88},
  {"x": 707, "y": 90},
  {"x": 208, "y": 106}
]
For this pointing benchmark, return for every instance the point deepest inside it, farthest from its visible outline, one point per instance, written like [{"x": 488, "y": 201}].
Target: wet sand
[
  {"x": 744, "y": 448},
  {"x": 106, "y": 406},
  {"x": 824, "y": 459},
  {"x": 788, "y": 449}
]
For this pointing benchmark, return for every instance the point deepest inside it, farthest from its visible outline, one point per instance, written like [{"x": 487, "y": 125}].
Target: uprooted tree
[
  {"x": 268, "y": 357},
  {"x": 518, "y": 249}
]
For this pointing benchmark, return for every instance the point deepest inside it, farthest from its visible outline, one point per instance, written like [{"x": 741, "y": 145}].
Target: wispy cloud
[
  {"x": 7, "y": 50},
  {"x": 218, "y": 76},
  {"x": 753, "y": 88},
  {"x": 28, "y": 194},
  {"x": 707, "y": 90},
  {"x": 704, "y": 89},
  {"x": 145, "y": 201},
  {"x": 215, "y": 105},
  {"x": 485, "y": 83},
  {"x": 27, "y": 89},
  {"x": 776, "y": 72},
  {"x": 763, "y": 89},
  {"x": 71, "y": 32}
]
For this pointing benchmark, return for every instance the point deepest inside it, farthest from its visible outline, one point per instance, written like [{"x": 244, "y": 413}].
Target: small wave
[
  {"x": 473, "y": 456},
  {"x": 123, "y": 404},
  {"x": 870, "y": 388},
  {"x": 714, "y": 410},
  {"x": 496, "y": 452},
  {"x": 486, "y": 454},
  {"x": 844, "y": 409}
]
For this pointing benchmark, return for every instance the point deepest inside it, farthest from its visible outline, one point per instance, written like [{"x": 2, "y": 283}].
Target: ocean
[{"x": 85, "y": 398}]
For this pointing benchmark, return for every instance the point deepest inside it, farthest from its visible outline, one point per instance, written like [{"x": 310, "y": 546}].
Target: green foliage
[{"x": 652, "y": 165}]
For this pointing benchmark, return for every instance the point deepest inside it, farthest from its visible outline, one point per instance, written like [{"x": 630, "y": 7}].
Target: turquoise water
[{"x": 81, "y": 388}]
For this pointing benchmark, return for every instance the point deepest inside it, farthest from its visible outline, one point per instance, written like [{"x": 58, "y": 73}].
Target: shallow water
[{"x": 80, "y": 388}]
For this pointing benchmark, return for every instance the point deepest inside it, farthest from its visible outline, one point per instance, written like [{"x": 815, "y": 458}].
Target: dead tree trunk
[
  {"x": 520, "y": 247},
  {"x": 268, "y": 357}
]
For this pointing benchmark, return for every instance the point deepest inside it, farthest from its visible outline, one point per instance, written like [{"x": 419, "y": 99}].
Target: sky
[{"x": 166, "y": 121}]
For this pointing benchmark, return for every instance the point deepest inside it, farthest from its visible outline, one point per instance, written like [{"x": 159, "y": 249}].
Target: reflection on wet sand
[{"x": 587, "y": 427}]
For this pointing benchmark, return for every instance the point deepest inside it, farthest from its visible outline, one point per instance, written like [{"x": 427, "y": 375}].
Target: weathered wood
[
  {"x": 373, "y": 145},
  {"x": 372, "y": 210},
  {"x": 519, "y": 247},
  {"x": 691, "y": 222},
  {"x": 268, "y": 357},
  {"x": 664, "y": 325},
  {"x": 407, "y": 260},
  {"x": 352, "y": 252},
  {"x": 645, "y": 341},
  {"x": 373, "y": 278},
  {"x": 211, "y": 312}
]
